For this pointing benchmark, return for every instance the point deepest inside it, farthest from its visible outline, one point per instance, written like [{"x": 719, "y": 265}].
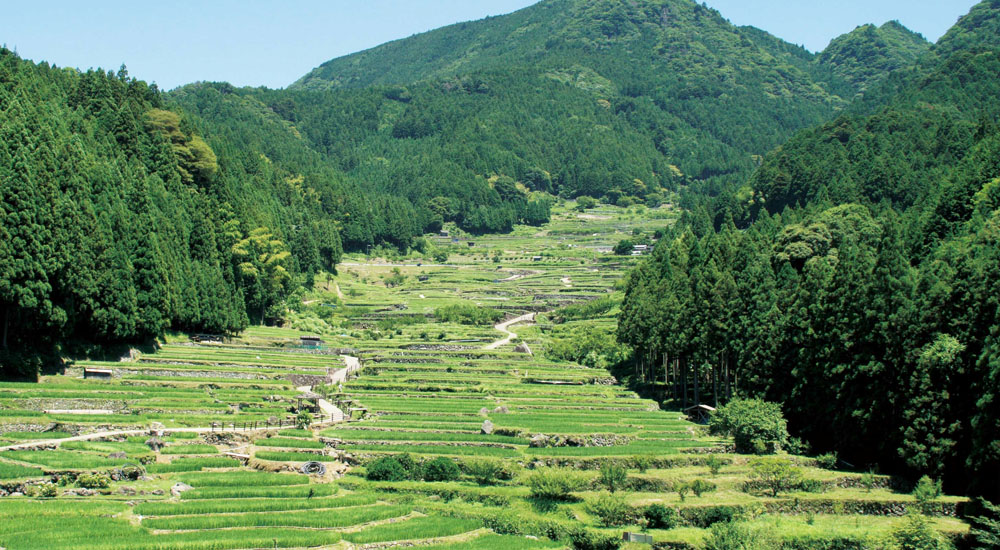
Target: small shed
[
  {"x": 471, "y": 244},
  {"x": 443, "y": 233},
  {"x": 637, "y": 537},
  {"x": 98, "y": 374},
  {"x": 311, "y": 342},
  {"x": 536, "y": 258},
  {"x": 308, "y": 401},
  {"x": 424, "y": 278},
  {"x": 699, "y": 413}
]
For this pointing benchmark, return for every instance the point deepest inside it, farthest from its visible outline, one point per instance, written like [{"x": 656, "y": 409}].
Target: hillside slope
[
  {"x": 864, "y": 294},
  {"x": 120, "y": 220},
  {"x": 866, "y": 55},
  {"x": 684, "y": 97}
]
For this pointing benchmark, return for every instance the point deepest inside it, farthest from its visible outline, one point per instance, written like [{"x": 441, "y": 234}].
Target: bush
[
  {"x": 93, "y": 481},
  {"x": 827, "y": 461},
  {"x": 584, "y": 203},
  {"x": 623, "y": 248},
  {"x": 925, "y": 492},
  {"x": 868, "y": 481},
  {"x": 584, "y": 539},
  {"x": 613, "y": 476},
  {"x": 986, "y": 528},
  {"x": 303, "y": 420},
  {"x": 916, "y": 533},
  {"x": 611, "y": 510},
  {"x": 705, "y": 517},
  {"x": 488, "y": 472},
  {"x": 386, "y": 468},
  {"x": 739, "y": 536},
  {"x": 714, "y": 464},
  {"x": 700, "y": 486},
  {"x": 660, "y": 516},
  {"x": 776, "y": 474},
  {"x": 504, "y": 522},
  {"x": 555, "y": 484},
  {"x": 45, "y": 490},
  {"x": 441, "y": 468},
  {"x": 757, "y": 427}
]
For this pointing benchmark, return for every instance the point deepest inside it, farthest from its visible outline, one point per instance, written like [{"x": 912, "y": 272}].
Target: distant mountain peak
[{"x": 869, "y": 53}]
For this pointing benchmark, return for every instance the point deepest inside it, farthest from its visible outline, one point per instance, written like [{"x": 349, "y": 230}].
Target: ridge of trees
[{"x": 862, "y": 292}]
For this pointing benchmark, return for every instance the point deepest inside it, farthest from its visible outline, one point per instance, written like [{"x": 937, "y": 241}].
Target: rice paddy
[{"x": 428, "y": 388}]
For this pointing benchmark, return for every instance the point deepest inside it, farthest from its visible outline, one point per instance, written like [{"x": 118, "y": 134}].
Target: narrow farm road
[{"x": 502, "y": 327}]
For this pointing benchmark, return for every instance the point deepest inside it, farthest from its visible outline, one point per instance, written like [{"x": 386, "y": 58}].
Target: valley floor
[{"x": 432, "y": 371}]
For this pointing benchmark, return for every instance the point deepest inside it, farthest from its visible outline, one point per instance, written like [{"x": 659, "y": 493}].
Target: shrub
[
  {"x": 739, "y": 536},
  {"x": 660, "y": 516},
  {"x": 611, "y": 510},
  {"x": 700, "y": 486},
  {"x": 925, "y": 492},
  {"x": 410, "y": 466},
  {"x": 986, "y": 528},
  {"x": 584, "y": 539},
  {"x": 776, "y": 474},
  {"x": 303, "y": 420},
  {"x": 757, "y": 427},
  {"x": 868, "y": 481},
  {"x": 45, "y": 490},
  {"x": 827, "y": 461},
  {"x": 93, "y": 481},
  {"x": 682, "y": 490},
  {"x": 613, "y": 476},
  {"x": 641, "y": 462},
  {"x": 714, "y": 464},
  {"x": 386, "y": 468},
  {"x": 916, "y": 533},
  {"x": 441, "y": 468},
  {"x": 584, "y": 203},
  {"x": 504, "y": 522},
  {"x": 555, "y": 484},
  {"x": 705, "y": 517},
  {"x": 487, "y": 472}
]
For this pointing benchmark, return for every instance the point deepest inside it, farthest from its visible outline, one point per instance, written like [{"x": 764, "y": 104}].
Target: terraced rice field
[{"x": 223, "y": 475}]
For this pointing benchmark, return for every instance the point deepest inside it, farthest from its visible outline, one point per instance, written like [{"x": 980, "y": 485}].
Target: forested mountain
[
  {"x": 864, "y": 295},
  {"x": 866, "y": 55},
  {"x": 605, "y": 97},
  {"x": 118, "y": 220}
]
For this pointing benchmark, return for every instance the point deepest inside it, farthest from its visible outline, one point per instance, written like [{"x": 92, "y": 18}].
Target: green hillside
[
  {"x": 118, "y": 220},
  {"x": 863, "y": 293},
  {"x": 684, "y": 96},
  {"x": 866, "y": 55}
]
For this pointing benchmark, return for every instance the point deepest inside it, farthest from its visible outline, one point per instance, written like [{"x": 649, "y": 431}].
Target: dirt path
[
  {"x": 339, "y": 293},
  {"x": 502, "y": 327},
  {"x": 520, "y": 275}
]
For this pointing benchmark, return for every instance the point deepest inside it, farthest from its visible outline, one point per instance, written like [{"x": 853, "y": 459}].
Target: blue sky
[{"x": 271, "y": 43}]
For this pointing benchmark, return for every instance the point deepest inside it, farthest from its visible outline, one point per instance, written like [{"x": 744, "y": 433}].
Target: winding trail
[{"x": 502, "y": 327}]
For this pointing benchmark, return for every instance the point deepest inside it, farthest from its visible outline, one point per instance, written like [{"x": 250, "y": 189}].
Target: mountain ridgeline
[
  {"x": 626, "y": 100},
  {"x": 864, "y": 295}
]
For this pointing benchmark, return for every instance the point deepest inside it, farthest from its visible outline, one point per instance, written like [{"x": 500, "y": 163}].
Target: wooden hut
[
  {"x": 98, "y": 374},
  {"x": 699, "y": 413},
  {"x": 311, "y": 342},
  {"x": 308, "y": 401}
]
